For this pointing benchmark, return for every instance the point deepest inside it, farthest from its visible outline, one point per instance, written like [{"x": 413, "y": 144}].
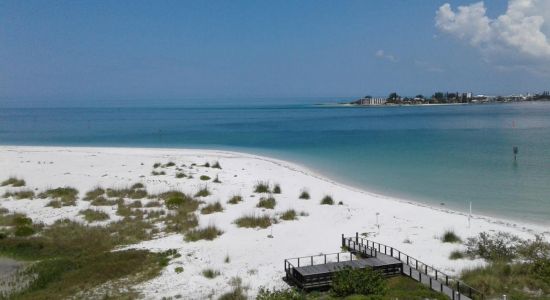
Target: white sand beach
[{"x": 254, "y": 257}]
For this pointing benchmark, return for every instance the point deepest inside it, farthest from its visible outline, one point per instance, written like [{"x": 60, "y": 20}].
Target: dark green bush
[{"x": 358, "y": 281}]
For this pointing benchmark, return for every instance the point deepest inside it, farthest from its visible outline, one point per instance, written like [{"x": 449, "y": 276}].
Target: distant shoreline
[{"x": 424, "y": 104}]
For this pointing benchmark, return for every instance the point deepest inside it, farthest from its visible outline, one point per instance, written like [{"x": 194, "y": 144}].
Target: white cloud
[
  {"x": 521, "y": 34},
  {"x": 383, "y": 55}
]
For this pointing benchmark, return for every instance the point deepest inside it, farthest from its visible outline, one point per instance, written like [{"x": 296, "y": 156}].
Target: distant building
[{"x": 373, "y": 101}]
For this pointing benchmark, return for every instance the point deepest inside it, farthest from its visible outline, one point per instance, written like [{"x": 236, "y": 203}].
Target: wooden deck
[{"x": 316, "y": 272}]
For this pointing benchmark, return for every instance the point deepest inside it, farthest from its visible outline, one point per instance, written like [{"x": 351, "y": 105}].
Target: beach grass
[
  {"x": 102, "y": 201},
  {"x": 19, "y": 195},
  {"x": 253, "y": 221},
  {"x": 180, "y": 221},
  {"x": 216, "y": 179},
  {"x": 203, "y": 192},
  {"x": 304, "y": 195},
  {"x": 94, "y": 193},
  {"x": 153, "y": 203},
  {"x": 136, "y": 191},
  {"x": 156, "y": 165},
  {"x": 235, "y": 199},
  {"x": 158, "y": 173},
  {"x": 13, "y": 181},
  {"x": 208, "y": 233},
  {"x": 268, "y": 202},
  {"x": 210, "y": 273},
  {"x": 216, "y": 165},
  {"x": 92, "y": 215},
  {"x": 179, "y": 200},
  {"x": 289, "y": 215},
  {"x": 212, "y": 208},
  {"x": 327, "y": 200},
  {"x": 449, "y": 236},
  {"x": 180, "y": 175},
  {"x": 63, "y": 196},
  {"x": 262, "y": 187},
  {"x": 204, "y": 177}
]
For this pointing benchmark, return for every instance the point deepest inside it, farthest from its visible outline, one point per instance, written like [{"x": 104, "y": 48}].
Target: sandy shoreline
[{"x": 257, "y": 259}]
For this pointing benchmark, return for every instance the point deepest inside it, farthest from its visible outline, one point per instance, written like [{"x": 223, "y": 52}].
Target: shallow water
[{"x": 433, "y": 154}]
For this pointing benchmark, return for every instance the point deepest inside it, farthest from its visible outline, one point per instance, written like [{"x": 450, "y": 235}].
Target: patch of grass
[
  {"x": 212, "y": 208},
  {"x": 137, "y": 191},
  {"x": 178, "y": 270},
  {"x": 449, "y": 236},
  {"x": 289, "y": 215},
  {"x": 358, "y": 281},
  {"x": 136, "y": 204},
  {"x": 92, "y": 215},
  {"x": 208, "y": 233},
  {"x": 216, "y": 165},
  {"x": 253, "y": 221},
  {"x": 206, "y": 164},
  {"x": 93, "y": 194},
  {"x": 137, "y": 185},
  {"x": 65, "y": 196},
  {"x": 22, "y": 194},
  {"x": 170, "y": 164},
  {"x": 268, "y": 202},
  {"x": 276, "y": 189},
  {"x": 102, "y": 201},
  {"x": 204, "y": 177},
  {"x": 180, "y": 220},
  {"x": 227, "y": 259},
  {"x": 157, "y": 173},
  {"x": 175, "y": 200},
  {"x": 203, "y": 192},
  {"x": 72, "y": 260},
  {"x": 156, "y": 165},
  {"x": 235, "y": 199},
  {"x": 304, "y": 195},
  {"x": 262, "y": 187},
  {"x": 210, "y": 273},
  {"x": 327, "y": 200},
  {"x": 13, "y": 181},
  {"x": 456, "y": 254},
  {"x": 180, "y": 175},
  {"x": 152, "y": 204}
]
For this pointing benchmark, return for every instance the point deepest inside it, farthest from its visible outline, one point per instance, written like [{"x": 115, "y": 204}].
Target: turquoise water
[{"x": 433, "y": 154}]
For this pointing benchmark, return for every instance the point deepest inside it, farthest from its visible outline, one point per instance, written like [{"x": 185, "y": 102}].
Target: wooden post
[
  {"x": 435, "y": 274},
  {"x": 350, "y": 256},
  {"x": 441, "y": 287},
  {"x": 343, "y": 241},
  {"x": 430, "y": 282},
  {"x": 325, "y": 259},
  {"x": 426, "y": 269},
  {"x": 312, "y": 260},
  {"x": 357, "y": 237},
  {"x": 298, "y": 261},
  {"x": 416, "y": 264},
  {"x": 338, "y": 257},
  {"x": 458, "y": 286},
  {"x": 391, "y": 251},
  {"x": 446, "y": 280},
  {"x": 407, "y": 260}
]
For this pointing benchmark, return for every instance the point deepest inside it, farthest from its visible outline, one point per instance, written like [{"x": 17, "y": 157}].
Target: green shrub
[
  {"x": 357, "y": 281},
  {"x": 207, "y": 233},
  {"x": 456, "y": 254},
  {"x": 13, "y": 181},
  {"x": 206, "y": 164},
  {"x": 304, "y": 194},
  {"x": 203, "y": 192},
  {"x": 137, "y": 185},
  {"x": 23, "y": 230},
  {"x": 92, "y": 215},
  {"x": 500, "y": 246},
  {"x": 155, "y": 173},
  {"x": 178, "y": 270},
  {"x": 327, "y": 200},
  {"x": 180, "y": 175},
  {"x": 212, "y": 208},
  {"x": 262, "y": 187},
  {"x": 170, "y": 164},
  {"x": 156, "y": 165},
  {"x": 283, "y": 294},
  {"x": 237, "y": 293},
  {"x": 268, "y": 203},
  {"x": 449, "y": 236},
  {"x": 235, "y": 199},
  {"x": 277, "y": 189},
  {"x": 137, "y": 191},
  {"x": 210, "y": 273},
  {"x": 216, "y": 165},
  {"x": 152, "y": 204},
  {"x": 204, "y": 177},
  {"x": 252, "y": 221}
]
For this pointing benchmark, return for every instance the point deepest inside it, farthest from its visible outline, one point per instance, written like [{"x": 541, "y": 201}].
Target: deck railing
[{"x": 421, "y": 267}]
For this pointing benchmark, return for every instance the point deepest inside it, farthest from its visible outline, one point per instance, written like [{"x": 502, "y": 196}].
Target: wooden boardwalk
[{"x": 316, "y": 272}]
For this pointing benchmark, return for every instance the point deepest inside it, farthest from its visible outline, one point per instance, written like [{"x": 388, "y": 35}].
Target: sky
[{"x": 86, "y": 51}]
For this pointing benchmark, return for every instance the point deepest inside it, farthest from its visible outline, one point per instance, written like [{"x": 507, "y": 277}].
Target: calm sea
[{"x": 439, "y": 155}]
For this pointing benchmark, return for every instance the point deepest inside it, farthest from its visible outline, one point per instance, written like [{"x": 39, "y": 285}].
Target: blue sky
[{"x": 91, "y": 50}]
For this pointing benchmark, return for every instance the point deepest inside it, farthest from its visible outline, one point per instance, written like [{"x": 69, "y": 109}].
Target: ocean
[{"x": 445, "y": 156}]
